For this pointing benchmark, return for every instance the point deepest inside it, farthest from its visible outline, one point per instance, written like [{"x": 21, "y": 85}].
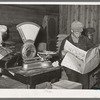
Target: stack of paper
[{"x": 65, "y": 84}]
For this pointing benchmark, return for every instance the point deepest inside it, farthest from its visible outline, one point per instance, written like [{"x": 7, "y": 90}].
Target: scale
[{"x": 28, "y": 32}]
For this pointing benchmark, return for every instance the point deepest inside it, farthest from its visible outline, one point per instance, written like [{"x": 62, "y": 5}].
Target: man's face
[{"x": 77, "y": 34}]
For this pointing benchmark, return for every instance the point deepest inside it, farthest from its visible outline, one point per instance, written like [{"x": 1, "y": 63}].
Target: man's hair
[{"x": 77, "y": 26}]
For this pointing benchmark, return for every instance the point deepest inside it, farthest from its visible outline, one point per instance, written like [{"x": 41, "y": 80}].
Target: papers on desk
[
  {"x": 1, "y": 56},
  {"x": 11, "y": 73},
  {"x": 79, "y": 60},
  {"x": 4, "y": 51}
]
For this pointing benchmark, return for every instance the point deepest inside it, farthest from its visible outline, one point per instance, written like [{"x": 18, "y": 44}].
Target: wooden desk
[{"x": 35, "y": 76}]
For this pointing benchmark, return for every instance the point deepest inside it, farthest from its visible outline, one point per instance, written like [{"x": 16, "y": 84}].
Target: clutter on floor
[{"x": 65, "y": 84}]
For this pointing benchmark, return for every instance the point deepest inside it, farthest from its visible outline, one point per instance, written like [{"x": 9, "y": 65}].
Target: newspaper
[{"x": 79, "y": 60}]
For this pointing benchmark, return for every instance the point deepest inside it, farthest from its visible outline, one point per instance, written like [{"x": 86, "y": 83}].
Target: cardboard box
[
  {"x": 66, "y": 84},
  {"x": 8, "y": 83}
]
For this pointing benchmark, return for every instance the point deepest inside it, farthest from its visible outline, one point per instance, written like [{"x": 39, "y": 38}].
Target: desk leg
[
  {"x": 32, "y": 83},
  {"x": 28, "y": 86},
  {"x": 32, "y": 86}
]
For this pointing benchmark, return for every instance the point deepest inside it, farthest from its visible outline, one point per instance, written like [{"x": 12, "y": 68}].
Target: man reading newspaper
[
  {"x": 79, "y": 60},
  {"x": 81, "y": 44}
]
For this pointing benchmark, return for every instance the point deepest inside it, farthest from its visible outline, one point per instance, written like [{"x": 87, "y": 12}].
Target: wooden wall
[
  {"x": 87, "y": 14},
  {"x": 11, "y": 15}
]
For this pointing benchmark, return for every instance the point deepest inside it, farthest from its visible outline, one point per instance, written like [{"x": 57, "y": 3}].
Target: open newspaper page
[
  {"x": 92, "y": 59},
  {"x": 80, "y": 60}
]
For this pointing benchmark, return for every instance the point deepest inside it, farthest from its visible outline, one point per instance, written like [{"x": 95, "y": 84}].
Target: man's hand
[{"x": 63, "y": 53}]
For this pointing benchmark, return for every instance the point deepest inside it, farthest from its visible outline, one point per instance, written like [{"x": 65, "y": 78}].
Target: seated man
[
  {"x": 89, "y": 33},
  {"x": 80, "y": 41}
]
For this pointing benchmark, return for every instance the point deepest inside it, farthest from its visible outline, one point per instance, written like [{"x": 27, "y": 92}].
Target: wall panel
[
  {"x": 87, "y": 14},
  {"x": 11, "y": 15}
]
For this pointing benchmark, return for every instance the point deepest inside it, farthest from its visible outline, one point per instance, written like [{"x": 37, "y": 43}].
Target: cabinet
[
  {"x": 52, "y": 32},
  {"x": 94, "y": 78}
]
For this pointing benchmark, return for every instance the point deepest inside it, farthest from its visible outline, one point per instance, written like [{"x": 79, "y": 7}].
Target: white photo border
[{"x": 49, "y": 93}]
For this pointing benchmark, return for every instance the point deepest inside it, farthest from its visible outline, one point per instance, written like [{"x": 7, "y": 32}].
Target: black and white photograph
[{"x": 50, "y": 46}]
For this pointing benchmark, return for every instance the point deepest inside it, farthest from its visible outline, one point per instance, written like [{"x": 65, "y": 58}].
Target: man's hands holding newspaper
[{"x": 64, "y": 52}]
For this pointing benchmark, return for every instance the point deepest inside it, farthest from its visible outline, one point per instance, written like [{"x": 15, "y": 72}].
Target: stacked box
[{"x": 66, "y": 84}]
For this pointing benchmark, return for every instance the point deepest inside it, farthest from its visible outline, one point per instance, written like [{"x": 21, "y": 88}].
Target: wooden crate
[{"x": 65, "y": 84}]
